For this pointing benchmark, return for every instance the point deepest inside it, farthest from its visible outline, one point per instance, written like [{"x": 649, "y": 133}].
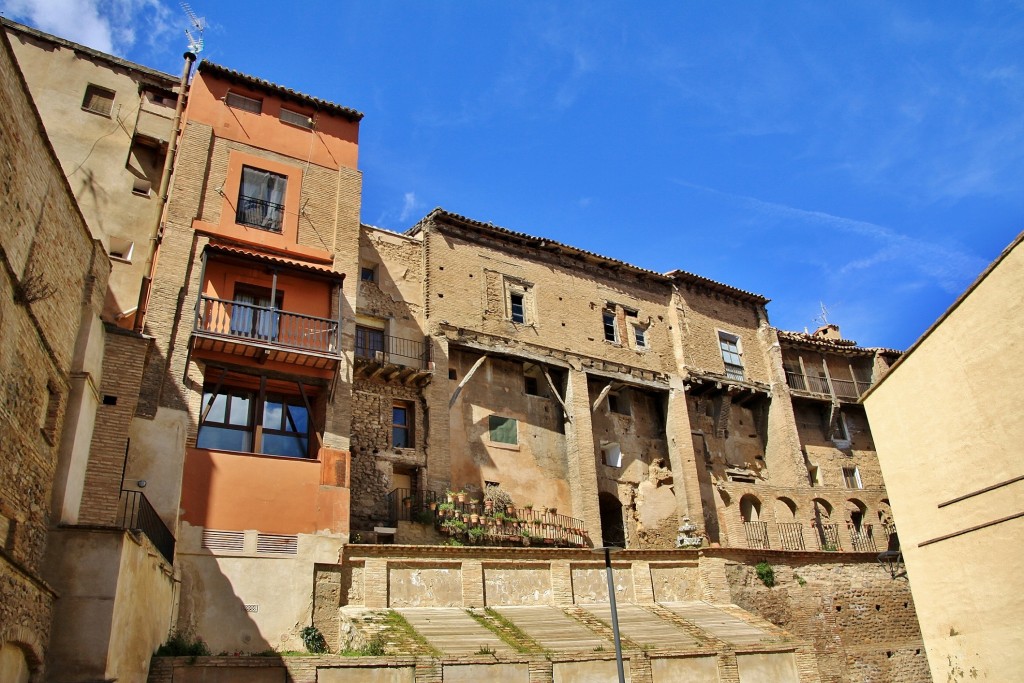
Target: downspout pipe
[{"x": 165, "y": 183}]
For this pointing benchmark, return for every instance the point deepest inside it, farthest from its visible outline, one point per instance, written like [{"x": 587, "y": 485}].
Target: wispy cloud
[
  {"x": 946, "y": 266},
  {"x": 409, "y": 205},
  {"x": 113, "y": 26}
]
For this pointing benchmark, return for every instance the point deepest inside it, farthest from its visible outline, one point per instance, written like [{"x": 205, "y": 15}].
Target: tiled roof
[
  {"x": 283, "y": 92},
  {"x": 552, "y": 245},
  {"x": 847, "y": 345},
  {"x": 229, "y": 250}
]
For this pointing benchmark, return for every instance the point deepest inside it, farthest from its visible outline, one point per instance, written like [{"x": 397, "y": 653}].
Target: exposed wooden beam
[
  {"x": 458, "y": 389},
  {"x": 554, "y": 391},
  {"x": 600, "y": 397}
]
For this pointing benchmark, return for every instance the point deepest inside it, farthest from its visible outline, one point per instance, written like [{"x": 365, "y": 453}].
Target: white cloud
[
  {"x": 408, "y": 206},
  {"x": 113, "y": 26}
]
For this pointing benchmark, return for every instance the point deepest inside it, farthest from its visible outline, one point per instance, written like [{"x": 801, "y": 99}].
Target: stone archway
[
  {"x": 21, "y": 657},
  {"x": 750, "y": 508}
]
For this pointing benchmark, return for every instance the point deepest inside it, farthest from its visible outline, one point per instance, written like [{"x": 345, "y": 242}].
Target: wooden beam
[
  {"x": 554, "y": 391},
  {"x": 600, "y": 397},
  {"x": 458, "y": 389},
  {"x": 310, "y": 417}
]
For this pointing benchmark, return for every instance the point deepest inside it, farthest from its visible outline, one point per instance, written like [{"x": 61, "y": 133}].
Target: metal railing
[
  {"x": 828, "y": 537},
  {"x": 265, "y": 325},
  {"x": 408, "y": 505},
  {"x": 792, "y": 536},
  {"x": 844, "y": 388},
  {"x": 388, "y": 349},
  {"x": 863, "y": 539},
  {"x": 757, "y": 535},
  {"x": 135, "y": 512},
  {"x": 259, "y": 213}
]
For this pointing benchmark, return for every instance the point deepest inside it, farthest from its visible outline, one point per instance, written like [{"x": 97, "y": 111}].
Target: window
[
  {"x": 254, "y": 315},
  {"x": 841, "y": 430},
  {"x": 261, "y": 199},
  {"x": 517, "y": 307},
  {"x": 503, "y": 429},
  {"x": 814, "y": 475},
  {"x": 401, "y": 425},
  {"x": 730, "y": 345},
  {"x": 368, "y": 342},
  {"x": 618, "y": 402},
  {"x": 236, "y": 419},
  {"x": 244, "y": 103},
  {"x": 639, "y": 337},
  {"x": 851, "y": 478},
  {"x": 142, "y": 187},
  {"x": 368, "y": 274},
  {"x": 611, "y": 330},
  {"x": 531, "y": 387},
  {"x": 296, "y": 119},
  {"x": 611, "y": 454},
  {"x": 98, "y": 100},
  {"x": 121, "y": 249}
]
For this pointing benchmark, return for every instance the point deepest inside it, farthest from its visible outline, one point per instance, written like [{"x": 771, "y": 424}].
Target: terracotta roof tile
[
  {"x": 280, "y": 90},
  {"x": 807, "y": 339},
  {"x": 229, "y": 250}
]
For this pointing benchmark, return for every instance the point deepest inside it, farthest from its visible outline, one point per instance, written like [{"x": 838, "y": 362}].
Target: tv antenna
[
  {"x": 195, "y": 34},
  {"x": 823, "y": 316}
]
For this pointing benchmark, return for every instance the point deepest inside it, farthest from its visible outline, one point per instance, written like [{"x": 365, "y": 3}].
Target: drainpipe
[{"x": 165, "y": 182}]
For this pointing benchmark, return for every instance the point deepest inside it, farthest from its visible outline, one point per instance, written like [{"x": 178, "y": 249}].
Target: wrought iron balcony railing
[
  {"x": 792, "y": 536},
  {"x": 757, "y": 535},
  {"x": 259, "y": 213},
  {"x": 135, "y": 512},
  {"x": 264, "y": 325},
  {"x": 386, "y": 349}
]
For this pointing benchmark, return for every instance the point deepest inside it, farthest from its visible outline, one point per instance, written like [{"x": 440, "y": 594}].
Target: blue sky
[{"x": 868, "y": 155}]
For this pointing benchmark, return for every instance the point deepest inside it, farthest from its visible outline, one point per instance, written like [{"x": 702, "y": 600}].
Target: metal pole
[{"x": 615, "y": 614}]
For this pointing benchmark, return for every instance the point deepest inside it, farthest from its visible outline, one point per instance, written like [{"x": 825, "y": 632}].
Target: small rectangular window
[
  {"x": 368, "y": 274},
  {"x": 401, "y": 424},
  {"x": 121, "y": 249},
  {"x": 296, "y": 119},
  {"x": 518, "y": 308},
  {"x": 503, "y": 429},
  {"x": 236, "y": 101},
  {"x": 611, "y": 332},
  {"x": 851, "y": 478},
  {"x": 730, "y": 345},
  {"x": 531, "y": 386},
  {"x": 612, "y": 455},
  {"x": 640, "y": 337},
  {"x": 98, "y": 100},
  {"x": 142, "y": 187}
]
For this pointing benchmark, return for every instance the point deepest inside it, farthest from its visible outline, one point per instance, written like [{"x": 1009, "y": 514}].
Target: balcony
[
  {"x": 818, "y": 386},
  {"x": 265, "y": 333},
  {"x": 259, "y": 213},
  {"x": 826, "y": 537},
  {"x": 134, "y": 512},
  {"x": 391, "y": 359}
]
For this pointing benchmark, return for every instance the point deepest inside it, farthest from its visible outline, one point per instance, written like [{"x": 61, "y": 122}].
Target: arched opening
[
  {"x": 785, "y": 510},
  {"x": 750, "y": 508},
  {"x": 613, "y": 532},
  {"x": 885, "y": 513},
  {"x": 856, "y": 512},
  {"x": 14, "y": 665},
  {"x": 826, "y": 532}
]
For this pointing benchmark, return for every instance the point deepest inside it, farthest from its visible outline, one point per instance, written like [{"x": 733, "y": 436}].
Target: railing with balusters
[
  {"x": 387, "y": 349},
  {"x": 791, "y": 534},
  {"x": 265, "y": 325}
]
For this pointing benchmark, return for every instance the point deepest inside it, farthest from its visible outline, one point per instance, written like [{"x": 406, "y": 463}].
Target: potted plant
[{"x": 460, "y": 496}]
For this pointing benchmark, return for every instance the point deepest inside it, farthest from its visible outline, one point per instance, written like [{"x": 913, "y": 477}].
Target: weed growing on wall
[{"x": 765, "y": 573}]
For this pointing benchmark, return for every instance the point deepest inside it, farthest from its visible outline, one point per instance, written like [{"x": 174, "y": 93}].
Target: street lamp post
[{"x": 607, "y": 551}]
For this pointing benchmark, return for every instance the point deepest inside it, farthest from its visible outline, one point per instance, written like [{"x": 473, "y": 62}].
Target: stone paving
[
  {"x": 718, "y": 623},
  {"x": 452, "y": 631}
]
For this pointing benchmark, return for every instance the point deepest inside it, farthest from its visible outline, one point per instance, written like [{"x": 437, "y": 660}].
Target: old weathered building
[{"x": 299, "y": 401}]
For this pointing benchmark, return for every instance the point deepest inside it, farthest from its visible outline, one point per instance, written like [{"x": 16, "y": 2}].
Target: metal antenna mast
[{"x": 195, "y": 39}]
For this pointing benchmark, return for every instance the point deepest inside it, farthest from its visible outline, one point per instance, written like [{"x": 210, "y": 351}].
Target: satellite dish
[{"x": 195, "y": 34}]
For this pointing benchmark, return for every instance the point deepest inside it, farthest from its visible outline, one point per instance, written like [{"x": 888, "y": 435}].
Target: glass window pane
[
  {"x": 220, "y": 403},
  {"x": 273, "y": 411},
  {"x": 399, "y": 416},
  {"x": 221, "y": 439},
  {"x": 299, "y": 419},
  {"x": 240, "y": 410},
  {"x": 503, "y": 429},
  {"x": 400, "y": 437},
  {"x": 284, "y": 444}
]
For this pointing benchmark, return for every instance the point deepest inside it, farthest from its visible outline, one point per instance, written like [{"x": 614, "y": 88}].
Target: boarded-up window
[{"x": 503, "y": 429}]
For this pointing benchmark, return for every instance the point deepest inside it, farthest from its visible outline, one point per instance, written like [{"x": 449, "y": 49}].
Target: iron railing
[
  {"x": 135, "y": 512},
  {"x": 792, "y": 536},
  {"x": 409, "y": 505},
  {"x": 757, "y": 535},
  {"x": 863, "y": 539},
  {"x": 844, "y": 388},
  {"x": 265, "y": 325},
  {"x": 828, "y": 537},
  {"x": 387, "y": 349},
  {"x": 259, "y": 213}
]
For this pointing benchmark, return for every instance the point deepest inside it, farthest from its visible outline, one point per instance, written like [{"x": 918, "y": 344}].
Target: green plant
[
  {"x": 423, "y": 517},
  {"x": 800, "y": 580},
  {"x": 183, "y": 644},
  {"x": 502, "y": 499},
  {"x": 313, "y": 640},
  {"x": 765, "y": 573},
  {"x": 476, "y": 533},
  {"x": 453, "y": 542},
  {"x": 599, "y": 648},
  {"x": 376, "y": 647},
  {"x": 454, "y": 526},
  {"x": 485, "y": 650}
]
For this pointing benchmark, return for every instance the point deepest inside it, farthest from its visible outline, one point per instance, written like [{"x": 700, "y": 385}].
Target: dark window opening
[
  {"x": 611, "y": 333},
  {"x": 261, "y": 199},
  {"x": 401, "y": 425},
  {"x": 518, "y": 308}
]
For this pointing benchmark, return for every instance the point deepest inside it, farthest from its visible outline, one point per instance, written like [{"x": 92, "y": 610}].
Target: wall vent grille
[
  {"x": 223, "y": 541},
  {"x": 252, "y": 608},
  {"x": 277, "y": 544}
]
